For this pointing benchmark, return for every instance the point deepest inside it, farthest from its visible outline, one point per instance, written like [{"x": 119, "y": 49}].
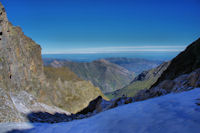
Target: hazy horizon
[{"x": 157, "y": 56}]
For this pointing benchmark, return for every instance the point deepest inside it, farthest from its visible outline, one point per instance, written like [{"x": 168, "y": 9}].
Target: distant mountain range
[
  {"x": 108, "y": 74},
  {"x": 180, "y": 74},
  {"x": 136, "y": 65},
  {"x": 103, "y": 74}
]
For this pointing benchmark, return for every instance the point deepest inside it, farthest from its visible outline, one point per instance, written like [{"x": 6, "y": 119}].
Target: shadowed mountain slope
[
  {"x": 184, "y": 63},
  {"x": 182, "y": 74}
]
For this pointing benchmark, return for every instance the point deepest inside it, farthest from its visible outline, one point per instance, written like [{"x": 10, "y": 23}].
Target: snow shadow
[{"x": 44, "y": 117}]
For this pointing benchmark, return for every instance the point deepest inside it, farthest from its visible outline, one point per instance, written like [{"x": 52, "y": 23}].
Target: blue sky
[{"x": 81, "y": 26}]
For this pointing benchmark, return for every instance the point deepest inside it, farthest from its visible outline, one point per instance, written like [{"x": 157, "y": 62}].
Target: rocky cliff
[
  {"x": 23, "y": 85},
  {"x": 21, "y": 67},
  {"x": 20, "y": 58}
]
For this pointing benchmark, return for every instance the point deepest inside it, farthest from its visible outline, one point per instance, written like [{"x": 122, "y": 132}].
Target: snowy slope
[{"x": 172, "y": 113}]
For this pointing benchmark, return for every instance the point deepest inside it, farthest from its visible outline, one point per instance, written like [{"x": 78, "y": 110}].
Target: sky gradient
[{"x": 81, "y": 26}]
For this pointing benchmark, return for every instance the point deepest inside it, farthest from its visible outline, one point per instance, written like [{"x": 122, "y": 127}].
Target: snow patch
[
  {"x": 176, "y": 112},
  {"x": 25, "y": 103}
]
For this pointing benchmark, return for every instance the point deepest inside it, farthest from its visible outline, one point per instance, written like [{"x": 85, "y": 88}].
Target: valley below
[{"x": 109, "y": 95}]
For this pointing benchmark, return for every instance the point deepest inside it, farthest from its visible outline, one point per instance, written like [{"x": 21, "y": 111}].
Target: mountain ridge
[
  {"x": 103, "y": 74},
  {"x": 182, "y": 74},
  {"x": 143, "y": 81},
  {"x": 183, "y": 63},
  {"x": 136, "y": 65}
]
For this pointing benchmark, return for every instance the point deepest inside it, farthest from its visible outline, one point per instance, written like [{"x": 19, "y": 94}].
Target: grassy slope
[
  {"x": 103, "y": 74},
  {"x": 63, "y": 73},
  {"x": 149, "y": 79},
  {"x": 132, "y": 89},
  {"x": 67, "y": 91}
]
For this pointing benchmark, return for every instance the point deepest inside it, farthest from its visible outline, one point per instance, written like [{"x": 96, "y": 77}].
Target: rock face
[
  {"x": 20, "y": 58},
  {"x": 8, "y": 112},
  {"x": 186, "y": 62},
  {"x": 103, "y": 74},
  {"x": 21, "y": 67},
  {"x": 23, "y": 85},
  {"x": 92, "y": 106},
  {"x": 181, "y": 83},
  {"x": 143, "y": 81}
]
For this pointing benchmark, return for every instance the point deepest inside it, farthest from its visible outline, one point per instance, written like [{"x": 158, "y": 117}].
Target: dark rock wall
[{"x": 186, "y": 62}]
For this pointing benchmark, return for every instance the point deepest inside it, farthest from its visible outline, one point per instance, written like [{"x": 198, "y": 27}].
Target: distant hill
[
  {"x": 103, "y": 74},
  {"x": 136, "y": 65},
  {"x": 143, "y": 81},
  {"x": 62, "y": 73}
]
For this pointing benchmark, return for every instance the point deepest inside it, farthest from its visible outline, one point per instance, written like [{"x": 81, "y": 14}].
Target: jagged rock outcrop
[
  {"x": 24, "y": 86},
  {"x": 181, "y": 83},
  {"x": 103, "y": 74}
]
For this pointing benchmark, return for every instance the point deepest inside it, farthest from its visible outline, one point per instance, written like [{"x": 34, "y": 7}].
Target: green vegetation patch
[{"x": 64, "y": 73}]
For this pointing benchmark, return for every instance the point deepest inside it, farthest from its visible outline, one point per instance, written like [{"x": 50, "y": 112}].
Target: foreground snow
[{"x": 173, "y": 113}]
